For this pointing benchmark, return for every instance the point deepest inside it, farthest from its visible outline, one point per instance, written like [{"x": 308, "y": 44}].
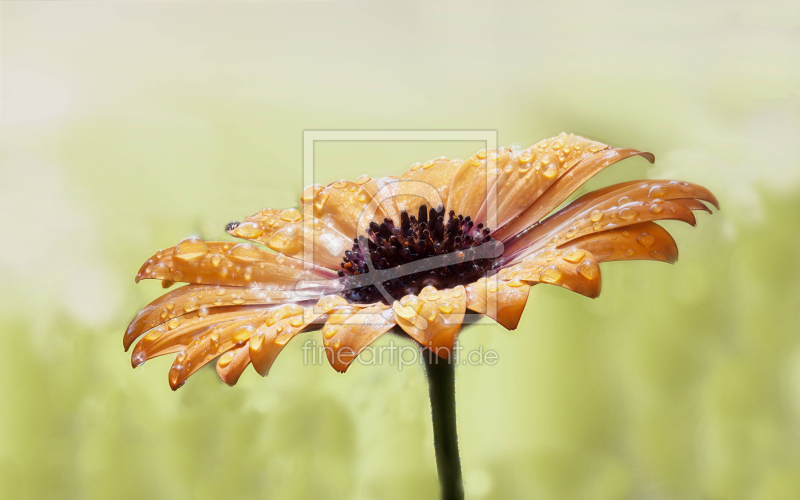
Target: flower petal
[
  {"x": 288, "y": 231},
  {"x": 438, "y": 174},
  {"x": 616, "y": 206},
  {"x": 231, "y": 365},
  {"x": 343, "y": 206},
  {"x": 473, "y": 180},
  {"x": 382, "y": 191},
  {"x": 199, "y": 300},
  {"x": 577, "y": 271},
  {"x": 645, "y": 241},
  {"x": 281, "y": 327},
  {"x": 350, "y": 330},
  {"x": 525, "y": 193},
  {"x": 501, "y": 300},
  {"x": 200, "y": 342},
  {"x": 225, "y": 263},
  {"x": 433, "y": 318}
]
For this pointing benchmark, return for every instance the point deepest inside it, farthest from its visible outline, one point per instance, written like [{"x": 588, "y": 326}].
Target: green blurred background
[{"x": 126, "y": 127}]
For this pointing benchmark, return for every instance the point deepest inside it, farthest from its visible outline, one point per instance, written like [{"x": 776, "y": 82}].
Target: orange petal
[
  {"x": 199, "y": 342},
  {"x": 473, "y": 180},
  {"x": 645, "y": 241},
  {"x": 226, "y": 263},
  {"x": 350, "y": 330},
  {"x": 577, "y": 271},
  {"x": 617, "y": 206},
  {"x": 433, "y": 318},
  {"x": 281, "y": 326},
  {"x": 501, "y": 300},
  {"x": 231, "y": 365},
  {"x": 343, "y": 206},
  {"x": 179, "y": 332},
  {"x": 383, "y": 191},
  {"x": 199, "y": 300},
  {"x": 438, "y": 174},
  {"x": 527, "y": 196},
  {"x": 288, "y": 231}
]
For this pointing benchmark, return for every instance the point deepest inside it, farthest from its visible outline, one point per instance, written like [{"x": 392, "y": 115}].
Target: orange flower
[{"x": 361, "y": 258}]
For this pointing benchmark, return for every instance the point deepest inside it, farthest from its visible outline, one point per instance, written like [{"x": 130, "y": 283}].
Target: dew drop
[
  {"x": 574, "y": 256},
  {"x": 291, "y": 215},
  {"x": 341, "y": 183},
  {"x": 245, "y": 252},
  {"x": 481, "y": 154},
  {"x": 550, "y": 171},
  {"x": 190, "y": 305},
  {"x": 597, "y": 226},
  {"x": 646, "y": 240},
  {"x": 189, "y": 249},
  {"x": 630, "y": 253},
  {"x": 225, "y": 359},
  {"x": 656, "y": 209},
  {"x": 320, "y": 200},
  {"x": 656, "y": 192},
  {"x": 446, "y": 308},
  {"x": 363, "y": 180},
  {"x": 514, "y": 283},
  {"x": 161, "y": 271},
  {"x": 587, "y": 270},
  {"x": 596, "y": 216},
  {"x": 242, "y": 333},
  {"x": 627, "y": 213},
  {"x": 173, "y": 323},
  {"x": 216, "y": 259},
  {"x": 551, "y": 274},
  {"x": 203, "y": 312},
  {"x": 329, "y": 331}
]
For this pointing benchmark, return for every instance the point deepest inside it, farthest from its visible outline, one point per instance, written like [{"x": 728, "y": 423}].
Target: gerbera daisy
[{"x": 417, "y": 254}]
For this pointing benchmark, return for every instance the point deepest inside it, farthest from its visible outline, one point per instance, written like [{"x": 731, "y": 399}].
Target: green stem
[{"x": 442, "y": 390}]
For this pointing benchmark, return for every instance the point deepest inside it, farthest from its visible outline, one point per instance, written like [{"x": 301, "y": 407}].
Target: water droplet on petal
[
  {"x": 627, "y": 213},
  {"x": 551, "y": 274},
  {"x": 596, "y": 216},
  {"x": 173, "y": 323},
  {"x": 340, "y": 184},
  {"x": 550, "y": 171},
  {"x": 446, "y": 308},
  {"x": 190, "y": 304},
  {"x": 189, "y": 249},
  {"x": 291, "y": 215},
  {"x": 656, "y": 209},
  {"x": 242, "y": 333},
  {"x": 363, "y": 179},
  {"x": 574, "y": 256},
  {"x": 656, "y": 192},
  {"x": 161, "y": 271},
  {"x": 226, "y": 359},
  {"x": 588, "y": 270},
  {"x": 245, "y": 252},
  {"x": 646, "y": 240}
]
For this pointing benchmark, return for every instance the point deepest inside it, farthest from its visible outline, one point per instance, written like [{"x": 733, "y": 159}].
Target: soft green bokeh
[{"x": 126, "y": 127}]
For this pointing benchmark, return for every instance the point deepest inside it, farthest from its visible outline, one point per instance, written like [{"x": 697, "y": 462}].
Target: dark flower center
[{"x": 422, "y": 251}]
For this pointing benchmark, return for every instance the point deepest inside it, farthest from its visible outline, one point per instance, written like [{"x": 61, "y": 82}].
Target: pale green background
[{"x": 126, "y": 127}]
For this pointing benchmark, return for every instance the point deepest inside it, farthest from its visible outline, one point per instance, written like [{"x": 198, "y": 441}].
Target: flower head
[{"x": 417, "y": 253}]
